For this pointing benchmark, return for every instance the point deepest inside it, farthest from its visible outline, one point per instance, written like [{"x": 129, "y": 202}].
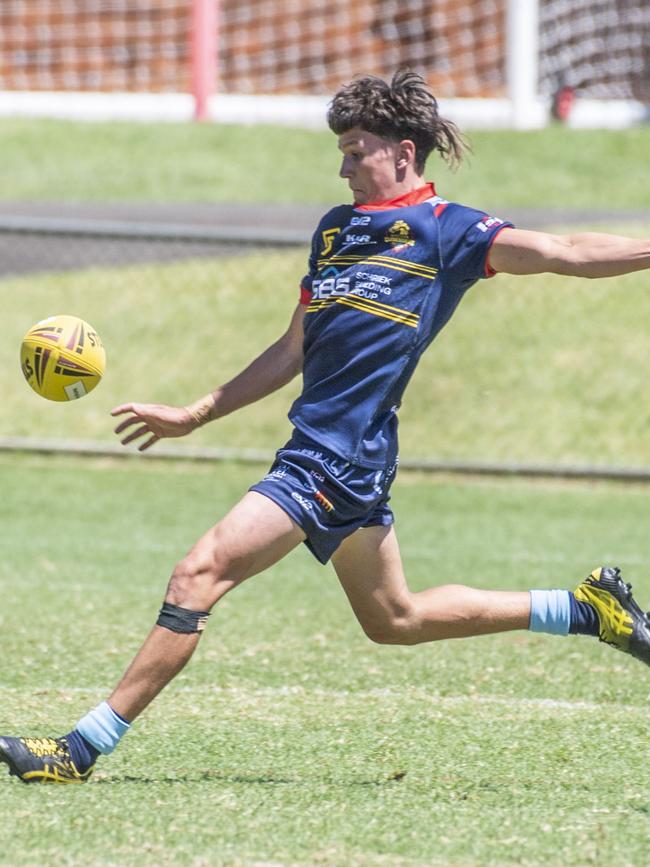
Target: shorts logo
[
  {"x": 399, "y": 234},
  {"x": 278, "y": 473},
  {"x": 325, "y": 503},
  {"x": 303, "y": 501}
]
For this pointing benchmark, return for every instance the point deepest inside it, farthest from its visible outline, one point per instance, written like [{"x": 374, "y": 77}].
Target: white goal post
[
  {"x": 491, "y": 63},
  {"x": 526, "y": 109}
]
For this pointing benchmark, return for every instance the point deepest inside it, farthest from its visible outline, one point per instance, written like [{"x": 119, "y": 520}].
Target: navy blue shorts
[{"x": 325, "y": 495}]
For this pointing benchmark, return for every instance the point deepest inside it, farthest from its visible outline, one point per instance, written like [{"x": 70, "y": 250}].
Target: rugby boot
[
  {"x": 41, "y": 760},
  {"x": 622, "y": 623}
]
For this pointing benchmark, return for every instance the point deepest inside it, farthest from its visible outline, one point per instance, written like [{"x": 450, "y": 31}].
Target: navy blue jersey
[{"x": 382, "y": 282}]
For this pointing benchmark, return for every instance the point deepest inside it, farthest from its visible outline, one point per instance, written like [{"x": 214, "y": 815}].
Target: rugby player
[{"x": 386, "y": 273}]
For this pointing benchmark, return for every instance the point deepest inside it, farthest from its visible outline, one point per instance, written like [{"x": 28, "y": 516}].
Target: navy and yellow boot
[
  {"x": 622, "y": 624},
  {"x": 41, "y": 760}
]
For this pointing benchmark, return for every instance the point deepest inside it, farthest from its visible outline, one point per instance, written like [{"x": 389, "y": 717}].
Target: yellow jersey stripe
[
  {"x": 403, "y": 320},
  {"x": 402, "y": 317},
  {"x": 341, "y": 260},
  {"x": 387, "y": 307},
  {"x": 415, "y": 265},
  {"x": 413, "y": 268},
  {"x": 379, "y": 257},
  {"x": 406, "y": 270},
  {"x": 360, "y": 301}
]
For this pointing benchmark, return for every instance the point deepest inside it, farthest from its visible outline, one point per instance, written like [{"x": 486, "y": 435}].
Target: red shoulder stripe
[
  {"x": 489, "y": 270},
  {"x": 305, "y": 295}
]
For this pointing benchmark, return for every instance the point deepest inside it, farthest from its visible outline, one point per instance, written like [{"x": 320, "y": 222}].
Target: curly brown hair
[{"x": 403, "y": 109}]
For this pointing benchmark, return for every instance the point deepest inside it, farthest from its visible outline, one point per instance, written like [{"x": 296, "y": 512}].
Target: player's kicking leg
[
  {"x": 369, "y": 566},
  {"x": 253, "y": 536}
]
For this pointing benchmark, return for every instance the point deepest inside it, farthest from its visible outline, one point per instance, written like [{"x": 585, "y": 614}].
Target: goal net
[
  {"x": 473, "y": 51},
  {"x": 599, "y": 47},
  {"x": 310, "y": 46},
  {"x": 94, "y": 45}
]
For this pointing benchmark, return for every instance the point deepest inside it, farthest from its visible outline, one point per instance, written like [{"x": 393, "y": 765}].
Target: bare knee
[
  {"x": 197, "y": 582},
  {"x": 393, "y": 629}
]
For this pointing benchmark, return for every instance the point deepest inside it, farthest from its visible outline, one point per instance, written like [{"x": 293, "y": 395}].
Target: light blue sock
[
  {"x": 103, "y": 728},
  {"x": 550, "y": 611}
]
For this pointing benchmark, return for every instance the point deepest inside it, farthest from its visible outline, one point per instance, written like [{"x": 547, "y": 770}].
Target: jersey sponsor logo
[
  {"x": 330, "y": 286},
  {"x": 359, "y": 239},
  {"x": 376, "y": 278},
  {"x": 339, "y": 290},
  {"x": 333, "y": 287},
  {"x": 370, "y": 289},
  {"x": 399, "y": 234},
  {"x": 365, "y": 290},
  {"x": 372, "y": 285},
  {"x": 487, "y": 222},
  {"x": 328, "y": 236},
  {"x": 360, "y": 221}
]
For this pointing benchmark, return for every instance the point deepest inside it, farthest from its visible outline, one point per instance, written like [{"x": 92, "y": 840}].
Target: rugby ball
[{"x": 62, "y": 358}]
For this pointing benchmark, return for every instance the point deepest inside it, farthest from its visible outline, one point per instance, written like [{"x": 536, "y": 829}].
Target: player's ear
[{"x": 405, "y": 155}]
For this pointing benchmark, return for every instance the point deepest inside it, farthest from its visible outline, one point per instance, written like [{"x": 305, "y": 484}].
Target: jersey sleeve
[
  {"x": 305, "y": 290},
  {"x": 307, "y": 280},
  {"x": 466, "y": 236}
]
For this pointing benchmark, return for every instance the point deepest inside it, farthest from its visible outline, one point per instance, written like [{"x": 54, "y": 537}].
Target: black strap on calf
[{"x": 182, "y": 619}]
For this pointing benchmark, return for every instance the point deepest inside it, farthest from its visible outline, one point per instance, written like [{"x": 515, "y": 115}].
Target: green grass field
[
  {"x": 292, "y": 740},
  {"x": 555, "y": 167}
]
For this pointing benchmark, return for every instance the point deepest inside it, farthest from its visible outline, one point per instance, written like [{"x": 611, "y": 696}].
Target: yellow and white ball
[{"x": 62, "y": 358}]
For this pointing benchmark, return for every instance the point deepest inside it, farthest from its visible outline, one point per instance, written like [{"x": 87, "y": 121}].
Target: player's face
[{"x": 370, "y": 165}]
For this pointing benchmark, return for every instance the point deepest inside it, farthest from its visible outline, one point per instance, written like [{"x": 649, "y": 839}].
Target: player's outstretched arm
[
  {"x": 275, "y": 367},
  {"x": 587, "y": 254}
]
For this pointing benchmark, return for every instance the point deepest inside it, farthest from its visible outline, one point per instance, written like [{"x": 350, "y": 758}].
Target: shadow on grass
[{"x": 248, "y": 779}]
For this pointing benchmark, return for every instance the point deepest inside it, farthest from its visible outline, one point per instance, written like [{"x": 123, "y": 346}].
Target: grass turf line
[{"x": 290, "y": 739}]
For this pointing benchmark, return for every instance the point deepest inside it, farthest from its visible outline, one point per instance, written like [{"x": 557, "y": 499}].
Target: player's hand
[{"x": 154, "y": 421}]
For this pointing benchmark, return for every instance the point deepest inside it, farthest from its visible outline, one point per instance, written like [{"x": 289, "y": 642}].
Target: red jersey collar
[{"x": 413, "y": 197}]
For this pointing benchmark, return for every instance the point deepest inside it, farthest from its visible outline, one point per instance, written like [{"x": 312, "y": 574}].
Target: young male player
[{"x": 385, "y": 275}]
